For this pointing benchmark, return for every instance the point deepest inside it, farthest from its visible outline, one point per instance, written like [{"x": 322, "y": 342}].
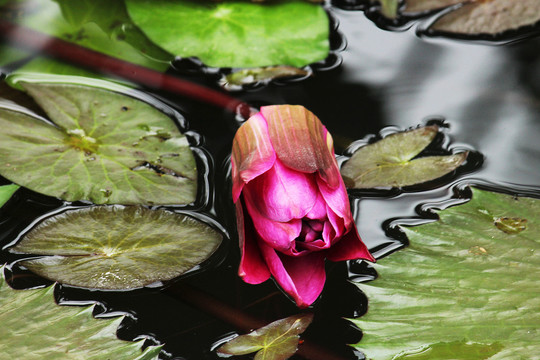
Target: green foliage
[
  {"x": 35, "y": 328},
  {"x": 101, "y": 25},
  {"x": 114, "y": 247},
  {"x": 275, "y": 341},
  {"x": 104, "y": 147},
  {"x": 6, "y": 192},
  {"x": 236, "y": 33},
  {"x": 390, "y": 162},
  {"x": 464, "y": 289}
]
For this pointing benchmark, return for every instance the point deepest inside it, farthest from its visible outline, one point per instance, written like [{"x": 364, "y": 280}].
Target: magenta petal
[
  {"x": 337, "y": 199},
  {"x": 301, "y": 141},
  {"x": 282, "y": 194},
  {"x": 252, "y": 153},
  {"x": 318, "y": 211},
  {"x": 301, "y": 277},
  {"x": 252, "y": 269},
  {"x": 279, "y": 235},
  {"x": 349, "y": 247}
]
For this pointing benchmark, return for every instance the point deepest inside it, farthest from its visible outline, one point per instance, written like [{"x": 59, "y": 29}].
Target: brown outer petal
[
  {"x": 301, "y": 142},
  {"x": 252, "y": 153}
]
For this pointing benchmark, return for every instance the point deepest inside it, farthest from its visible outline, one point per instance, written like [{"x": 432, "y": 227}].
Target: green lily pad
[
  {"x": 236, "y": 33},
  {"x": 100, "y": 25},
  {"x": 104, "y": 147},
  {"x": 116, "y": 247},
  {"x": 275, "y": 341},
  {"x": 35, "y": 328},
  {"x": 465, "y": 288},
  {"x": 391, "y": 162},
  {"x": 6, "y": 192}
]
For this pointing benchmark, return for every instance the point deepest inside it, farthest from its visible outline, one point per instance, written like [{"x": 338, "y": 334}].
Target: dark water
[{"x": 489, "y": 98}]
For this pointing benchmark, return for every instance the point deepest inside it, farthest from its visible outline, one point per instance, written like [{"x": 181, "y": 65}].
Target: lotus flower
[{"x": 292, "y": 207}]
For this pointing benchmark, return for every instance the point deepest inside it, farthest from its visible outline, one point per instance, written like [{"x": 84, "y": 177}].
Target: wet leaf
[
  {"x": 250, "y": 76},
  {"x": 489, "y": 17},
  {"x": 100, "y": 25},
  {"x": 415, "y": 6},
  {"x": 389, "y": 8},
  {"x": 6, "y": 192},
  {"x": 390, "y": 161},
  {"x": 463, "y": 289},
  {"x": 236, "y": 33},
  {"x": 275, "y": 341},
  {"x": 104, "y": 147},
  {"x": 116, "y": 247},
  {"x": 35, "y": 328}
]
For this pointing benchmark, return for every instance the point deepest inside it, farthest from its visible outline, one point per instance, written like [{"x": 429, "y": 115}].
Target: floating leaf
[
  {"x": 104, "y": 147},
  {"x": 100, "y": 25},
  {"x": 275, "y": 341},
  {"x": 35, "y": 328},
  {"x": 6, "y": 192},
  {"x": 249, "y": 76},
  {"x": 115, "y": 247},
  {"x": 389, "y": 8},
  {"x": 389, "y": 162},
  {"x": 236, "y": 33},
  {"x": 416, "y": 6},
  {"x": 464, "y": 289},
  {"x": 489, "y": 17}
]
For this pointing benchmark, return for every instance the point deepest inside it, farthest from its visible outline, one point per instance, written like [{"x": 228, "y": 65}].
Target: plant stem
[
  {"x": 35, "y": 41},
  {"x": 240, "y": 320}
]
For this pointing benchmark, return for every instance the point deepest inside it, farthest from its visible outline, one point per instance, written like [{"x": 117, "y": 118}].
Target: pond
[{"x": 484, "y": 96}]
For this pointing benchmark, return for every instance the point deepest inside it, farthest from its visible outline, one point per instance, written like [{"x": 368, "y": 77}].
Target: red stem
[
  {"x": 240, "y": 320},
  {"x": 72, "y": 53}
]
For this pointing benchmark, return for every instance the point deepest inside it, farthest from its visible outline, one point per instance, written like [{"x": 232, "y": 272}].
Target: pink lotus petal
[
  {"x": 301, "y": 141},
  {"x": 318, "y": 211},
  {"x": 253, "y": 269},
  {"x": 338, "y": 226},
  {"x": 349, "y": 247},
  {"x": 282, "y": 194},
  {"x": 252, "y": 153},
  {"x": 279, "y": 235},
  {"x": 337, "y": 199},
  {"x": 301, "y": 277}
]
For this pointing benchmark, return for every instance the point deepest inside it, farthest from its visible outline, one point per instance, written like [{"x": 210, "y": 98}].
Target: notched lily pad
[
  {"x": 236, "y": 34},
  {"x": 463, "y": 289},
  {"x": 35, "y": 328},
  {"x": 116, "y": 247},
  {"x": 6, "y": 192},
  {"x": 275, "y": 341},
  {"x": 104, "y": 147},
  {"x": 236, "y": 79},
  {"x": 391, "y": 162}
]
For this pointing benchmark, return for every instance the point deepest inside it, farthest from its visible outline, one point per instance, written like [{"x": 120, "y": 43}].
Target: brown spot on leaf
[{"x": 510, "y": 225}]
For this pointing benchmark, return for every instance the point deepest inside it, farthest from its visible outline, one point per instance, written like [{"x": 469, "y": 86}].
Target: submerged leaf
[
  {"x": 104, "y": 147},
  {"x": 275, "y": 341},
  {"x": 389, "y": 162},
  {"x": 489, "y": 17},
  {"x": 463, "y": 289},
  {"x": 35, "y": 328},
  {"x": 236, "y": 33},
  {"x": 250, "y": 76},
  {"x": 6, "y": 192},
  {"x": 113, "y": 247}
]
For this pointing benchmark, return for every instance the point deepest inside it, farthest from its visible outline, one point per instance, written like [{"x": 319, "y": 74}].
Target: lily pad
[
  {"x": 35, "y": 328},
  {"x": 489, "y": 17},
  {"x": 391, "y": 162},
  {"x": 6, "y": 192},
  {"x": 464, "y": 289},
  {"x": 116, "y": 247},
  {"x": 100, "y": 25},
  {"x": 104, "y": 147},
  {"x": 275, "y": 341},
  {"x": 236, "y": 79},
  {"x": 236, "y": 33}
]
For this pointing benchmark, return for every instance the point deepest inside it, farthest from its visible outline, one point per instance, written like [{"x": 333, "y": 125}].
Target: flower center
[{"x": 311, "y": 230}]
